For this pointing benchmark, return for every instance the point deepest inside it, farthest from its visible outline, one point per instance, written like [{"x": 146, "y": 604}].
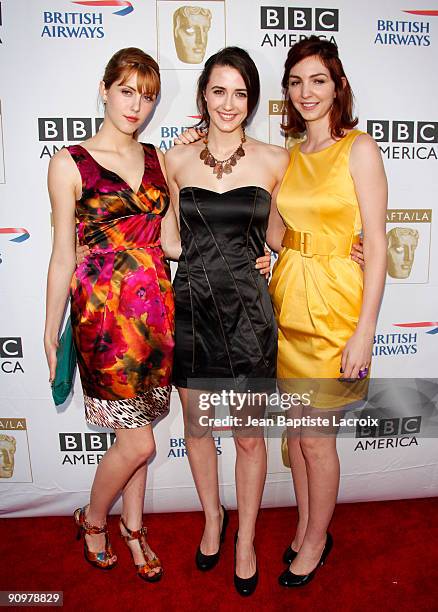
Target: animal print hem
[{"x": 128, "y": 413}]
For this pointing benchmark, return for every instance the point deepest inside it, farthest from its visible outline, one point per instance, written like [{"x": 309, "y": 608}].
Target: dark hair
[
  {"x": 240, "y": 60},
  {"x": 341, "y": 114},
  {"x": 129, "y": 60}
]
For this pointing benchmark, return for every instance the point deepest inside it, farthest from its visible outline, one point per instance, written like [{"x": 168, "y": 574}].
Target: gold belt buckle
[{"x": 306, "y": 244}]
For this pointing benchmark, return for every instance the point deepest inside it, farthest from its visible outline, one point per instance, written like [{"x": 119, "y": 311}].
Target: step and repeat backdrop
[{"x": 53, "y": 54}]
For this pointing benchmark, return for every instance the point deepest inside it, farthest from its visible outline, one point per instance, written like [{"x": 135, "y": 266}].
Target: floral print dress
[{"x": 122, "y": 308}]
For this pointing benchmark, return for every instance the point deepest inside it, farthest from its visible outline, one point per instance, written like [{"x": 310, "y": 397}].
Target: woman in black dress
[{"x": 223, "y": 188}]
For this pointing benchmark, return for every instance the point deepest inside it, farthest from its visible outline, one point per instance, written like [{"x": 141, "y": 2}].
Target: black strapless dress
[{"x": 225, "y": 325}]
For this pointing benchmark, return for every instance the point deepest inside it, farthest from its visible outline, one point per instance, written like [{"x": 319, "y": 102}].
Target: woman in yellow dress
[{"x": 334, "y": 190}]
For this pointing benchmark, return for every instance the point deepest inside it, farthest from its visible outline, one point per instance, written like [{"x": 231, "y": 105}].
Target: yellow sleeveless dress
[{"x": 316, "y": 288}]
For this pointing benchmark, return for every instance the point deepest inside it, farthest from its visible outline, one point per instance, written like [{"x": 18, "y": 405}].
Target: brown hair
[
  {"x": 129, "y": 60},
  {"x": 341, "y": 114},
  {"x": 240, "y": 60}
]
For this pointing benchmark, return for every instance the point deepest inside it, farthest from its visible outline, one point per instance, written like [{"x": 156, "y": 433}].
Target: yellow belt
[{"x": 312, "y": 243}]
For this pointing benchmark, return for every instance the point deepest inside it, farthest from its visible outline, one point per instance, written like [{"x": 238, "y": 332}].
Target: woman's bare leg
[
  {"x": 250, "y": 480},
  {"x": 132, "y": 513},
  {"x": 202, "y": 455},
  {"x": 132, "y": 449},
  {"x": 301, "y": 486},
  {"x": 322, "y": 464}
]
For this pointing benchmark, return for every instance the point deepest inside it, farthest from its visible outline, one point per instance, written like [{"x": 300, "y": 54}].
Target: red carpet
[{"x": 385, "y": 556}]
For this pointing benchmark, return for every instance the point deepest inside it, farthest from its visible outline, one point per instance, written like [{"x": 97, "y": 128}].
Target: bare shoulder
[
  {"x": 364, "y": 146},
  {"x": 365, "y": 158},
  {"x": 278, "y": 154},
  {"x": 62, "y": 161},
  {"x": 64, "y": 180},
  {"x": 182, "y": 151},
  {"x": 180, "y": 156},
  {"x": 62, "y": 169},
  {"x": 272, "y": 152}
]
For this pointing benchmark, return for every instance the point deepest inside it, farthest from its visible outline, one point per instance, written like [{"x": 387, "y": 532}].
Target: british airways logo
[
  {"x": 406, "y": 32},
  {"x": 427, "y": 13},
  {"x": 57, "y": 24},
  {"x": 423, "y": 325},
  {"x": 19, "y": 233},
  {"x": 127, "y": 6}
]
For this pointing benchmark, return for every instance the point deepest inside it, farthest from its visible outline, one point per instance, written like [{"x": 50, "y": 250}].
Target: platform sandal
[
  {"x": 143, "y": 569},
  {"x": 100, "y": 560}
]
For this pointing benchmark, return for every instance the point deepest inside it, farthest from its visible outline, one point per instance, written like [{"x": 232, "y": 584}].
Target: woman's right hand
[
  {"x": 188, "y": 136},
  {"x": 50, "y": 348},
  {"x": 81, "y": 253}
]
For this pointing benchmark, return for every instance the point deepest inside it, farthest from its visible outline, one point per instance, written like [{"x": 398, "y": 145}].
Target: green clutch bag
[{"x": 65, "y": 366}]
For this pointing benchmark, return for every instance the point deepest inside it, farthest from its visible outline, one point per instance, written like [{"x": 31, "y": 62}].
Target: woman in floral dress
[{"x": 112, "y": 191}]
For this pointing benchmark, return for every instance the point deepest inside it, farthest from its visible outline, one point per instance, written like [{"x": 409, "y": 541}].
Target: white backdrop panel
[{"x": 53, "y": 53}]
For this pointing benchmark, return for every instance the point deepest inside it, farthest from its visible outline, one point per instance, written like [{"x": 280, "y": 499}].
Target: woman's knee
[
  {"x": 317, "y": 449},
  {"x": 205, "y": 445},
  {"x": 249, "y": 445},
  {"x": 136, "y": 448}
]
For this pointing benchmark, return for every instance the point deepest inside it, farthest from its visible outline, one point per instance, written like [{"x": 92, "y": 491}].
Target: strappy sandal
[
  {"x": 102, "y": 559},
  {"x": 143, "y": 570}
]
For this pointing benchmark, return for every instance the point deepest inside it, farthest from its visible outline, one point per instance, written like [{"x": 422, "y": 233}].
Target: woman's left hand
[
  {"x": 357, "y": 254},
  {"x": 356, "y": 355},
  {"x": 188, "y": 136},
  {"x": 263, "y": 264}
]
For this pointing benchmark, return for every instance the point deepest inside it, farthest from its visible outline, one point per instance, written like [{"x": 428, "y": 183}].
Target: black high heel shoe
[
  {"x": 289, "y": 579},
  {"x": 244, "y": 586},
  {"x": 207, "y": 562},
  {"x": 289, "y": 555}
]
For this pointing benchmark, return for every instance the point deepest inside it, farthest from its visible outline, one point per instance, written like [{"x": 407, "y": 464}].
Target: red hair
[
  {"x": 341, "y": 114},
  {"x": 132, "y": 60}
]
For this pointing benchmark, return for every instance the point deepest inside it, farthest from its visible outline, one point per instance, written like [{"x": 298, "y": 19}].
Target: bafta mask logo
[
  {"x": 284, "y": 450},
  {"x": 8, "y": 446},
  {"x": 190, "y": 32},
  {"x": 402, "y": 242}
]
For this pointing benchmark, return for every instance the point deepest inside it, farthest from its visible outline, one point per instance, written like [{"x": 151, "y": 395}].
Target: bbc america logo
[
  {"x": 390, "y": 427},
  {"x": 405, "y": 139},
  {"x": 389, "y": 433},
  {"x": 84, "y": 448},
  {"x": 68, "y": 129},
  {"x": 11, "y": 352},
  {"x": 403, "y": 131},
  {"x": 11, "y": 347},
  {"x": 300, "y": 20},
  {"x": 65, "y": 129}
]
